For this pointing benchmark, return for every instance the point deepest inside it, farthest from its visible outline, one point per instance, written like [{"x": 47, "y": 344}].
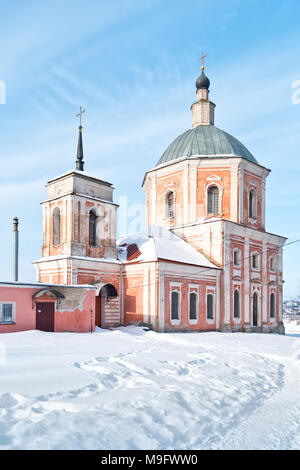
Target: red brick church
[{"x": 206, "y": 261}]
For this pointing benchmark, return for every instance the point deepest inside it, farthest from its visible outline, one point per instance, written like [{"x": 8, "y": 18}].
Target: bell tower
[{"x": 79, "y": 228}]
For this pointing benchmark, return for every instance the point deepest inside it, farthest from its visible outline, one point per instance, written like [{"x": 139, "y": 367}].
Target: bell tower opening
[{"x": 92, "y": 228}]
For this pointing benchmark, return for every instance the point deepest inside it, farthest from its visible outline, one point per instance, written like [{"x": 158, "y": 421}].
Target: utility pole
[{"x": 16, "y": 248}]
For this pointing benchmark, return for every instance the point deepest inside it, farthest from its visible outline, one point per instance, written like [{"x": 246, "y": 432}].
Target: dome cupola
[
  {"x": 202, "y": 81},
  {"x": 204, "y": 140}
]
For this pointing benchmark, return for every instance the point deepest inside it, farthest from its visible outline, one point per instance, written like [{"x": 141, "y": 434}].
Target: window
[
  {"x": 272, "y": 305},
  {"x": 193, "y": 306},
  {"x": 255, "y": 261},
  {"x": 170, "y": 205},
  {"x": 272, "y": 264},
  {"x": 236, "y": 304},
  {"x": 56, "y": 226},
  {"x": 236, "y": 257},
  {"x": 252, "y": 203},
  {"x": 92, "y": 227},
  {"x": 210, "y": 307},
  {"x": 174, "y": 305},
  {"x": 6, "y": 313},
  {"x": 255, "y": 310},
  {"x": 213, "y": 200}
]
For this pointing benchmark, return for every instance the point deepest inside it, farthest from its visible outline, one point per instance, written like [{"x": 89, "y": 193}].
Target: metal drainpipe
[{"x": 16, "y": 248}]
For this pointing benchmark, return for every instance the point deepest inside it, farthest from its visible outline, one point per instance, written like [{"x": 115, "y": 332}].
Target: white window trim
[
  {"x": 192, "y": 290},
  {"x": 13, "y": 321},
  {"x": 212, "y": 291},
  {"x": 175, "y": 287},
  {"x": 220, "y": 198}
]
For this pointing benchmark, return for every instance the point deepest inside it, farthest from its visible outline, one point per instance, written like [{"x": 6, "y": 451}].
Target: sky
[{"x": 132, "y": 65}]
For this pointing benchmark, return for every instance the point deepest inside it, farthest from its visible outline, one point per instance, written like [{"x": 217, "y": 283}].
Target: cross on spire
[
  {"x": 202, "y": 59},
  {"x": 81, "y": 111}
]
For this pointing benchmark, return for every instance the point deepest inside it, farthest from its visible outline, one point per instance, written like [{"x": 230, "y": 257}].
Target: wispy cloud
[{"x": 127, "y": 64}]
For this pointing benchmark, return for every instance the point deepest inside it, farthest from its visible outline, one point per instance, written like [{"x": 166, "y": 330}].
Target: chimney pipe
[{"x": 16, "y": 248}]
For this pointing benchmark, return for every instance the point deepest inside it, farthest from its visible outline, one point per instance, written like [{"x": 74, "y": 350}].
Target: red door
[{"x": 45, "y": 316}]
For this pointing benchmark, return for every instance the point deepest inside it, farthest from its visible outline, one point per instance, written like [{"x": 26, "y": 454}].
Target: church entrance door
[
  {"x": 254, "y": 309},
  {"x": 105, "y": 306},
  {"x": 45, "y": 316}
]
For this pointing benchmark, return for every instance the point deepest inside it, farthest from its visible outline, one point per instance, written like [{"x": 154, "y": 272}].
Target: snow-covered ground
[
  {"x": 292, "y": 327},
  {"x": 132, "y": 389}
]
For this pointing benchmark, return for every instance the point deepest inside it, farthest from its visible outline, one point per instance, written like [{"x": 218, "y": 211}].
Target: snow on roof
[
  {"x": 89, "y": 258},
  {"x": 43, "y": 285},
  {"x": 158, "y": 243}
]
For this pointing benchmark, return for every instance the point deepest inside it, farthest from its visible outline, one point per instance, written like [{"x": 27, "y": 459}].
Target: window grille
[
  {"x": 213, "y": 200},
  {"x": 7, "y": 312},
  {"x": 170, "y": 205}
]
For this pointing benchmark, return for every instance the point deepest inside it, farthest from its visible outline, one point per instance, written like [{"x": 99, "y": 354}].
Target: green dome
[{"x": 205, "y": 141}]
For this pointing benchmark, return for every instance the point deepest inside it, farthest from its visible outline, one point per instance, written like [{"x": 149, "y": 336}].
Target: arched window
[
  {"x": 272, "y": 305},
  {"x": 174, "y": 305},
  {"x": 92, "y": 227},
  {"x": 170, "y": 205},
  {"x": 210, "y": 306},
  {"x": 252, "y": 203},
  {"x": 193, "y": 306},
  {"x": 236, "y": 304},
  {"x": 56, "y": 226},
  {"x": 255, "y": 310},
  {"x": 213, "y": 200}
]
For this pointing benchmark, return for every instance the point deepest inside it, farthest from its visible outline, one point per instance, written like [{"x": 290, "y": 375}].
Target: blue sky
[{"x": 133, "y": 66}]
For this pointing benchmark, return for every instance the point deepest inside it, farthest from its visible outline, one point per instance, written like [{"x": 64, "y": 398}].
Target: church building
[{"x": 206, "y": 261}]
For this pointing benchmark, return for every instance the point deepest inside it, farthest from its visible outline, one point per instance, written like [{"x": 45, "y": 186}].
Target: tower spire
[{"x": 79, "y": 160}]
